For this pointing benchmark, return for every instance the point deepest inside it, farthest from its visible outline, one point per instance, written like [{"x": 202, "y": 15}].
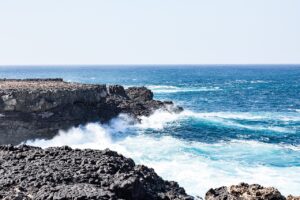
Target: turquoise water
[{"x": 239, "y": 124}]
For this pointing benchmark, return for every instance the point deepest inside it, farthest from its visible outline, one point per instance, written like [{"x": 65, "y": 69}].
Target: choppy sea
[{"x": 240, "y": 123}]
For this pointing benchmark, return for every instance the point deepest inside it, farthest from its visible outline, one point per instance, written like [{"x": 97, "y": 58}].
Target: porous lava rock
[
  {"x": 290, "y": 197},
  {"x": 244, "y": 191},
  {"x": 61, "y": 173}
]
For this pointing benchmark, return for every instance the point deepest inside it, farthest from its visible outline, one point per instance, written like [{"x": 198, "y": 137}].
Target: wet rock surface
[
  {"x": 38, "y": 108},
  {"x": 63, "y": 173}
]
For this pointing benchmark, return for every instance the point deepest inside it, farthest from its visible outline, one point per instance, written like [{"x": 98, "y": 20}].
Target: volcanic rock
[
  {"x": 39, "y": 108},
  {"x": 244, "y": 191},
  {"x": 63, "y": 173},
  {"x": 290, "y": 197}
]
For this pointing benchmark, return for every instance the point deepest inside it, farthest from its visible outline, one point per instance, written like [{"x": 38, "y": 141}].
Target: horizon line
[{"x": 112, "y": 65}]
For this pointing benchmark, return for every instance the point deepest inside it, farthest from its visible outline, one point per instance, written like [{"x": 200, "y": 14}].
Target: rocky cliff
[{"x": 38, "y": 108}]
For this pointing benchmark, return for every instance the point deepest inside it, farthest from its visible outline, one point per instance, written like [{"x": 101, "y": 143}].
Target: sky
[{"x": 99, "y": 32}]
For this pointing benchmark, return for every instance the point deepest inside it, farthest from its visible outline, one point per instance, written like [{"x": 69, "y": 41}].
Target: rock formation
[
  {"x": 38, "y": 108},
  {"x": 64, "y": 173},
  {"x": 290, "y": 197},
  {"x": 245, "y": 191}
]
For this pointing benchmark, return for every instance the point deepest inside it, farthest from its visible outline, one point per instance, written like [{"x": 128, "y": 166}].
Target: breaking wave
[
  {"x": 197, "y": 166},
  {"x": 252, "y": 81},
  {"x": 175, "y": 89},
  {"x": 227, "y": 119}
]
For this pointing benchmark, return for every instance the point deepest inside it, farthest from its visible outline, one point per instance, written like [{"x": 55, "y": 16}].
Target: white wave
[
  {"x": 161, "y": 119},
  {"x": 227, "y": 119},
  {"x": 174, "y": 89},
  {"x": 196, "y": 166},
  {"x": 259, "y": 81},
  {"x": 253, "y": 81},
  {"x": 158, "y": 120},
  {"x": 161, "y": 87},
  {"x": 240, "y": 81},
  {"x": 1, "y": 115},
  {"x": 254, "y": 116}
]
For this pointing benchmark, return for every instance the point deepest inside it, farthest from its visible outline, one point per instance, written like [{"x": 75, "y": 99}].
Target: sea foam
[
  {"x": 160, "y": 119},
  {"x": 196, "y": 166},
  {"x": 175, "y": 89}
]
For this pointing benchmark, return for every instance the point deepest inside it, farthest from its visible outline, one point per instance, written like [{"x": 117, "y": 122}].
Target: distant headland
[{"x": 38, "y": 108}]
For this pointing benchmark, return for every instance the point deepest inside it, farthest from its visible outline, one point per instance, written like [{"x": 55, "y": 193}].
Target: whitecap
[
  {"x": 196, "y": 166},
  {"x": 175, "y": 89},
  {"x": 161, "y": 119},
  {"x": 280, "y": 116},
  {"x": 259, "y": 81},
  {"x": 240, "y": 81}
]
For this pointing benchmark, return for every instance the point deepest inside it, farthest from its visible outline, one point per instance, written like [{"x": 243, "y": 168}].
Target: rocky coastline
[
  {"x": 38, "y": 108},
  {"x": 62, "y": 173}
]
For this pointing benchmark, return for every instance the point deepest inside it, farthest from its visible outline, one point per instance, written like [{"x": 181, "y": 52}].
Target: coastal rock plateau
[
  {"x": 39, "y": 108},
  {"x": 63, "y": 173}
]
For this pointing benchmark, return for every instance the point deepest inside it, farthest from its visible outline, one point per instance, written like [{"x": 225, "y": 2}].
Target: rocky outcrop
[
  {"x": 38, "y": 108},
  {"x": 64, "y": 173},
  {"x": 245, "y": 191},
  {"x": 290, "y": 197}
]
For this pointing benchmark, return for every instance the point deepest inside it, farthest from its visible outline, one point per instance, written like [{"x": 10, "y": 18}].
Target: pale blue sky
[{"x": 149, "y": 31}]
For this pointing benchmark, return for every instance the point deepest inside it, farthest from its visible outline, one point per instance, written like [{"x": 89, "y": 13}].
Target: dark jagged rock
[
  {"x": 244, "y": 191},
  {"x": 38, "y": 108},
  {"x": 139, "y": 94},
  {"x": 63, "y": 173},
  {"x": 117, "y": 90},
  {"x": 290, "y": 197}
]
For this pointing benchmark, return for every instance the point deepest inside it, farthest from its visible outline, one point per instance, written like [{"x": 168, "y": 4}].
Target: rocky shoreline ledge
[
  {"x": 62, "y": 173},
  {"x": 39, "y": 108}
]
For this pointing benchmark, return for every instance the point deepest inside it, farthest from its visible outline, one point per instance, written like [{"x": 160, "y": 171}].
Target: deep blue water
[{"x": 241, "y": 123}]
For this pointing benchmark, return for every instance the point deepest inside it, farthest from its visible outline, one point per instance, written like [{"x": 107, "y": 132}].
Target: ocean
[{"x": 239, "y": 124}]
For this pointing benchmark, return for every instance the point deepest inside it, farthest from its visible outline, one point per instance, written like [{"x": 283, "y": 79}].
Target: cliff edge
[{"x": 38, "y": 108}]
